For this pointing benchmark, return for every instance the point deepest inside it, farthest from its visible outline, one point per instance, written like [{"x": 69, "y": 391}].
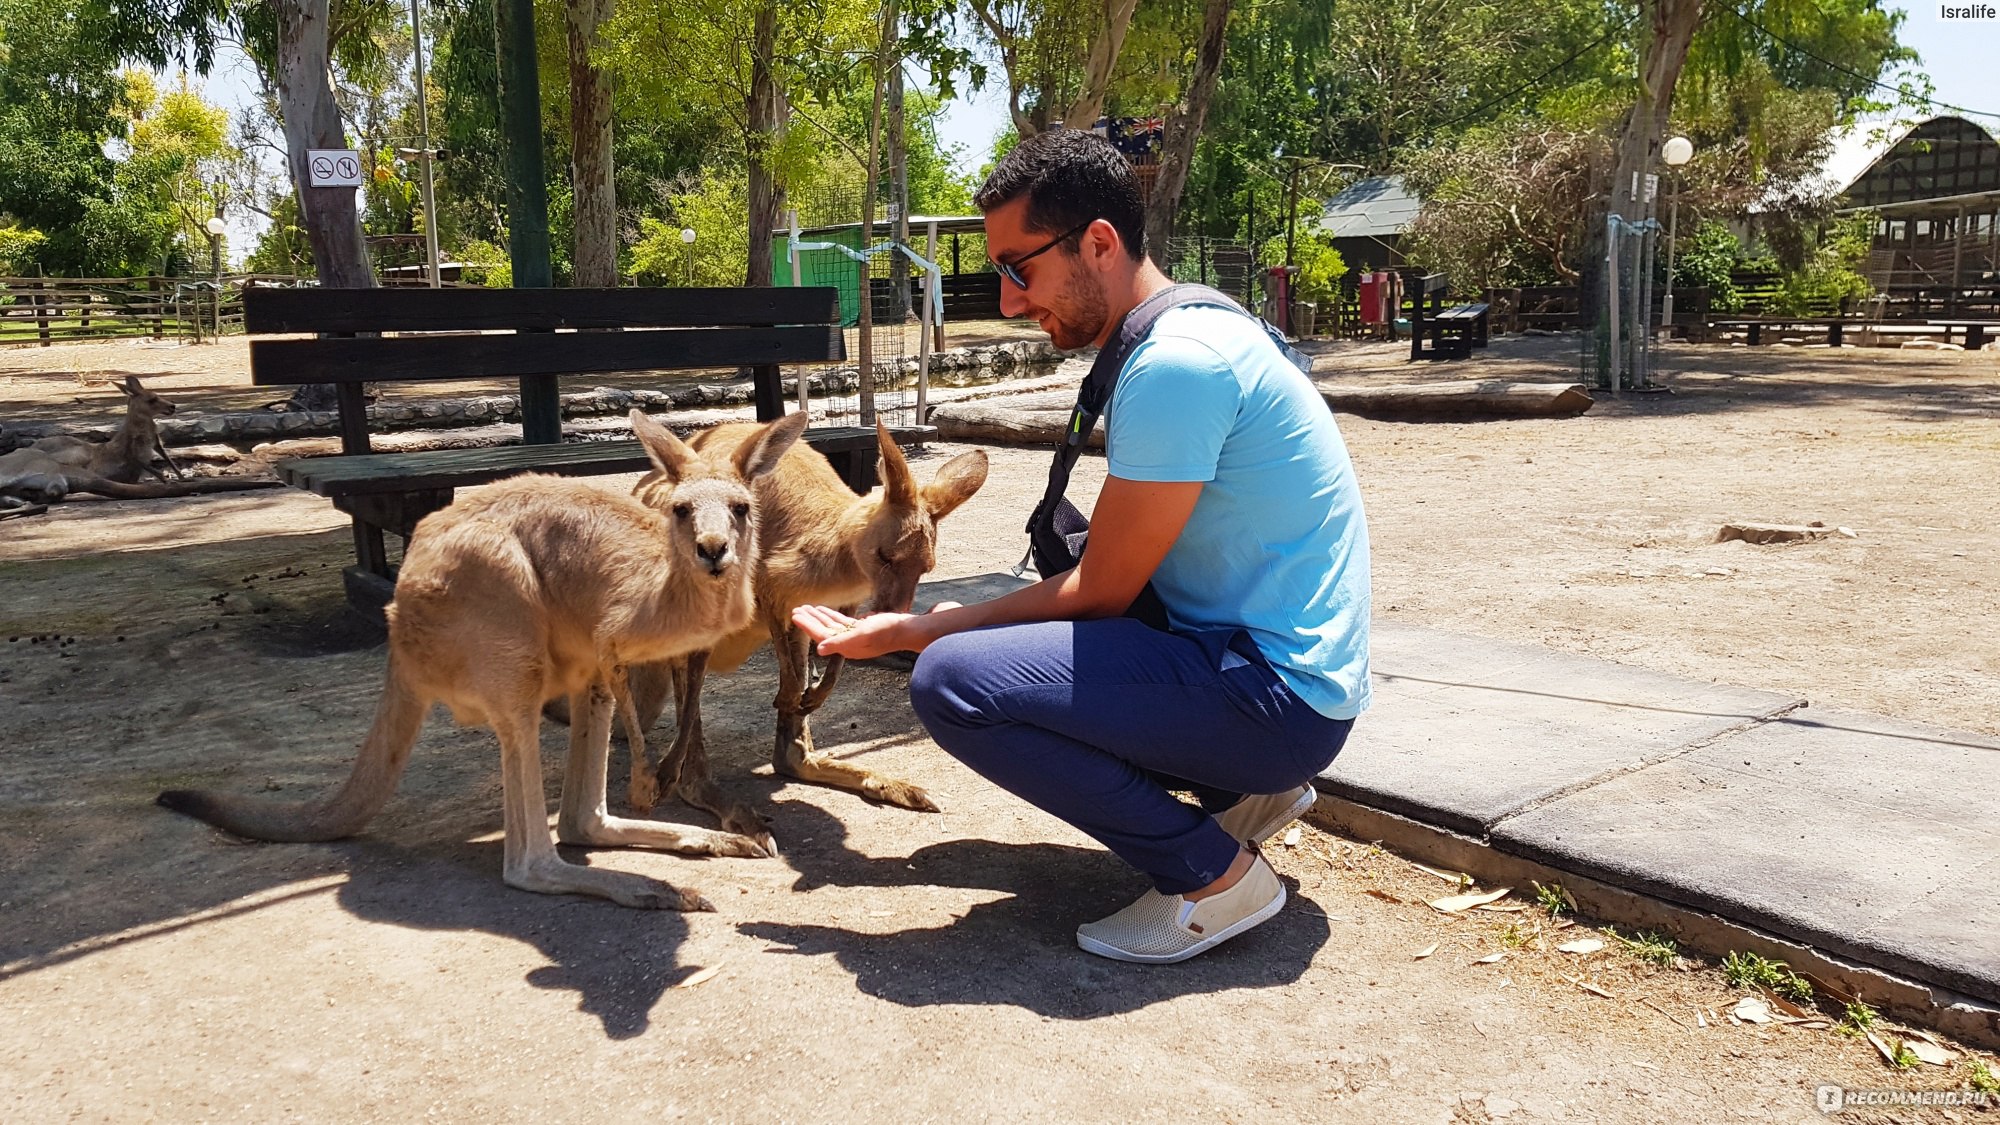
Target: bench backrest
[{"x": 537, "y": 335}]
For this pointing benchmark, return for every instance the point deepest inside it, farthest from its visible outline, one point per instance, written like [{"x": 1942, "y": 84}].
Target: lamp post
[
  {"x": 1675, "y": 153},
  {"x": 215, "y": 227},
  {"x": 687, "y": 239}
]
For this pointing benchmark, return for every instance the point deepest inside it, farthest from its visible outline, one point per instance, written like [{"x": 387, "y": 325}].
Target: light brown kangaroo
[
  {"x": 823, "y": 545},
  {"x": 129, "y": 453},
  {"x": 542, "y": 587}
]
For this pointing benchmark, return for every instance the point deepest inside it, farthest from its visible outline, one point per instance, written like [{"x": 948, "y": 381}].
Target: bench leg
[
  {"x": 1834, "y": 334},
  {"x": 371, "y": 582}
]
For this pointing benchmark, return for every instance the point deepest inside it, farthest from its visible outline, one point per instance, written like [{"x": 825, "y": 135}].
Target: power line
[
  {"x": 1897, "y": 90},
  {"x": 1516, "y": 91}
]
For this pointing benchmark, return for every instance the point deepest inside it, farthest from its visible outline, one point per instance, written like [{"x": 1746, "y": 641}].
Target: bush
[
  {"x": 1707, "y": 256},
  {"x": 18, "y": 246},
  {"x": 1831, "y": 270},
  {"x": 1320, "y": 265}
]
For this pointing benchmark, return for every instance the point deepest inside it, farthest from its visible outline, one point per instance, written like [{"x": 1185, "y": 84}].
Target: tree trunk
[
  {"x": 1671, "y": 28},
  {"x": 1184, "y": 125},
  {"x": 767, "y": 127},
  {"x": 312, "y": 120},
  {"x": 1103, "y": 61},
  {"x": 590, "y": 148}
]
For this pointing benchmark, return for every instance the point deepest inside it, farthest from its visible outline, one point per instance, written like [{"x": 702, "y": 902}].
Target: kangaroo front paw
[
  {"x": 643, "y": 793},
  {"x": 904, "y": 795}
]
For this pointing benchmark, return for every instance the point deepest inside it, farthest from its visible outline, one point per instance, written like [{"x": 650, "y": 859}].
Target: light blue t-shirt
[{"x": 1277, "y": 544}]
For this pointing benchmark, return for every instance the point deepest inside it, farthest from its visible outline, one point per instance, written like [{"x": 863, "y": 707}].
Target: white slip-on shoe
[
  {"x": 1162, "y": 929},
  {"x": 1258, "y": 816}
]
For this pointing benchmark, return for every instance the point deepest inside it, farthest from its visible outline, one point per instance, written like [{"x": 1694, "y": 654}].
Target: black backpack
[{"x": 1057, "y": 532}]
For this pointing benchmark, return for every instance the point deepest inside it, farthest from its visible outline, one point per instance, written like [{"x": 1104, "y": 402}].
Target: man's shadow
[{"x": 1019, "y": 950}]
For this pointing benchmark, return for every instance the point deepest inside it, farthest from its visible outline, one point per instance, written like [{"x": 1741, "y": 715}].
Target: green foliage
[
  {"x": 1748, "y": 970},
  {"x": 1831, "y": 271},
  {"x": 1706, "y": 256},
  {"x": 18, "y": 248},
  {"x": 713, "y": 207},
  {"x": 1651, "y": 946},
  {"x": 1320, "y": 265},
  {"x": 1980, "y": 1077},
  {"x": 1857, "y": 1018},
  {"x": 1554, "y": 899},
  {"x": 485, "y": 264}
]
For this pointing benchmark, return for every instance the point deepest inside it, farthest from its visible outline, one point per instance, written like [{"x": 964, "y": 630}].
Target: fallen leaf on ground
[
  {"x": 1752, "y": 1010},
  {"x": 1504, "y": 907},
  {"x": 1786, "y": 1006},
  {"x": 1491, "y": 958},
  {"x": 1581, "y": 945},
  {"x": 701, "y": 976},
  {"x": 1699, "y": 1019},
  {"x": 1929, "y": 1052},
  {"x": 1457, "y": 877},
  {"x": 1456, "y": 903},
  {"x": 1292, "y": 837},
  {"x": 1426, "y": 951},
  {"x": 1887, "y": 1055},
  {"x": 1645, "y": 1066},
  {"x": 1384, "y": 895},
  {"x": 1594, "y": 990}
]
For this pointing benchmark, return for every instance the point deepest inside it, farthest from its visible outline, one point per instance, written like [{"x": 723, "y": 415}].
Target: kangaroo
[
  {"x": 130, "y": 451},
  {"x": 540, "y": 587},
  {"x": 823, "y": 545}
]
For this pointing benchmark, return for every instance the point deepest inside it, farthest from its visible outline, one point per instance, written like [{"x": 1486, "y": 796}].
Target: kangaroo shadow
[
  {"x": 1019, "y": 950},
  {"x": 618, "y": 961}
]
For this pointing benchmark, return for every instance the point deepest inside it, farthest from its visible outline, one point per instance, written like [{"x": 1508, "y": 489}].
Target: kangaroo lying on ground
[
  {"x": 54, "y": 467},
  {"x": 541, "y": 587},
  {"x": 823, "y": 545},
  {"x": 130, "y": 451}
]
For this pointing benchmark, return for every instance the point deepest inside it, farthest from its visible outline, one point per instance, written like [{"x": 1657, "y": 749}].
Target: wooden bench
[
  {"x": 1444, "y": 333},
  {"x": 538, "y": 336},
  {"x": 1834, "y": 326}
]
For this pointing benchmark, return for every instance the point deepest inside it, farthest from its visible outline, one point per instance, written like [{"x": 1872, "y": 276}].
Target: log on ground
[
  {"x": 1007, "y": 425},
  {"x": 1467, "y": 400}
]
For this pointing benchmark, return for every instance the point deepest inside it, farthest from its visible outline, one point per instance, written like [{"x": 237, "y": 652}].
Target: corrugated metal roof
[{"x": 1377, "y": 207}]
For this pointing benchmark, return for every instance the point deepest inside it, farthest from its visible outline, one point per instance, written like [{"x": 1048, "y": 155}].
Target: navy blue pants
[{"x": 1097, "y": 721}]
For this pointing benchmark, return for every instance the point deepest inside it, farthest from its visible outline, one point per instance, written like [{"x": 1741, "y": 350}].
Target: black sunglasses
[{"x": 1012, "y": 270}]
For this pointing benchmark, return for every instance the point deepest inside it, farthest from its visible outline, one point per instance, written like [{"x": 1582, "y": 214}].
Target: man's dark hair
[{"x": 1070, "y": 177}]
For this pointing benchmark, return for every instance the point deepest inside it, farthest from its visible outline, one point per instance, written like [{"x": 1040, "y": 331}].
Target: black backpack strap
[{"x": 1094, "y": 396}]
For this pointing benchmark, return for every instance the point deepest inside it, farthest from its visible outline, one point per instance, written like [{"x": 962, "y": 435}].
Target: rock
[{"x": 1763, "y": 533}]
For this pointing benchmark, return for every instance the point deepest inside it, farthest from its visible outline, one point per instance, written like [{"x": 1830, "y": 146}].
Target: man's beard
[{"x": 1080, "y": 319}]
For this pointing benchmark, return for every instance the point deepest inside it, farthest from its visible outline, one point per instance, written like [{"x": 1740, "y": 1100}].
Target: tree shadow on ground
[{"x": 1019, "y": 950}]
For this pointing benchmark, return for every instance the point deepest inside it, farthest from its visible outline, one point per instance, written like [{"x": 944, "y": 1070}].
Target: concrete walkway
[{"x": 1864, "y": 837}]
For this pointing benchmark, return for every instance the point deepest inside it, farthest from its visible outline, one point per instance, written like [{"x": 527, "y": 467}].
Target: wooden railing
[{"x": 56, "y": 310}]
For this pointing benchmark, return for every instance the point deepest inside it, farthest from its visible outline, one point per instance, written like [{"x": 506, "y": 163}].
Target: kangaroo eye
[
  {"x": 741, "y": 509},
  {"x": 684, "y": 510}
]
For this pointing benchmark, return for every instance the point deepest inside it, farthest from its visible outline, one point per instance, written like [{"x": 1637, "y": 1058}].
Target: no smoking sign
[{"x": 333, "y": 167}]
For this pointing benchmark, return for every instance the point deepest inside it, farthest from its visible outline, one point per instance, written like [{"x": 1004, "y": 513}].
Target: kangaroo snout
[{"x": 714, "y": 552}]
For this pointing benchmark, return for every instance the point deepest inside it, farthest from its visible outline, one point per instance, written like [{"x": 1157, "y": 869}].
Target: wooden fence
[{"x": 53, "y": 310}]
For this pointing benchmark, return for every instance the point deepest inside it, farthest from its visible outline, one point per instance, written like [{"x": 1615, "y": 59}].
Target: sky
[{"x": 1958, "y": 55}]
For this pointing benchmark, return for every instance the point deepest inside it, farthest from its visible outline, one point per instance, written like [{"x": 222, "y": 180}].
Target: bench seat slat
[
  {"x": 368, "y": 473},
  {"x": 268, "y": 311},
  {"x": 426, "y": 358}
]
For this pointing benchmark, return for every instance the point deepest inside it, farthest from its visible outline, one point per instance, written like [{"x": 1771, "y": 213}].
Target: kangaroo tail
[
  {"x": 119, "y": 491},
  {"x": 377, "y": 769}
]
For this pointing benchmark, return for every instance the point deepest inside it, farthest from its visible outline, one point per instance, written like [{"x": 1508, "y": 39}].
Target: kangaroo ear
[
  {"x": 769, "y": 445},
  {"x": 899, "y": 488},
  {"x": 131, "y": 385},
  {"x": 955, "y": 483},
  {"x": 668, "y": 453}
]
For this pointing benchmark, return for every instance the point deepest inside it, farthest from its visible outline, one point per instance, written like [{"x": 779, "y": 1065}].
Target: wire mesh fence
[{"x": 883, "y": 335}]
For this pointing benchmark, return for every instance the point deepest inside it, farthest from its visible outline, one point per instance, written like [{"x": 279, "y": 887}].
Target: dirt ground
[{"x": 899, "y": 966}]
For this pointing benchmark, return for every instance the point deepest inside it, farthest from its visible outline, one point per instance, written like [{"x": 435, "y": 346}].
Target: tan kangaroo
[
  {"x": 130, "y": 451},
  {"x": 542, "y": 587},
  {"x": 823, "y": 545}
]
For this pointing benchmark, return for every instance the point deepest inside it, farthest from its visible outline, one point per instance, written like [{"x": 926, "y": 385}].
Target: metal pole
[
  {"x": 424, "y": 149},
  {"x": 1611, "y": 305},
  {"x": 1673, "y": 229},
  {"x": 792, "y": 252},
  {"x": 925, "y": 319}
]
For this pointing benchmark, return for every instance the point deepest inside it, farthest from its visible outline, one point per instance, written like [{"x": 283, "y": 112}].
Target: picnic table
[
  {"x": 539, "y": 336},
  {"x": 1437, "y": 332},
  {"x": 1973, "y": 330},
  {"x": 1834, "y": 326}
]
